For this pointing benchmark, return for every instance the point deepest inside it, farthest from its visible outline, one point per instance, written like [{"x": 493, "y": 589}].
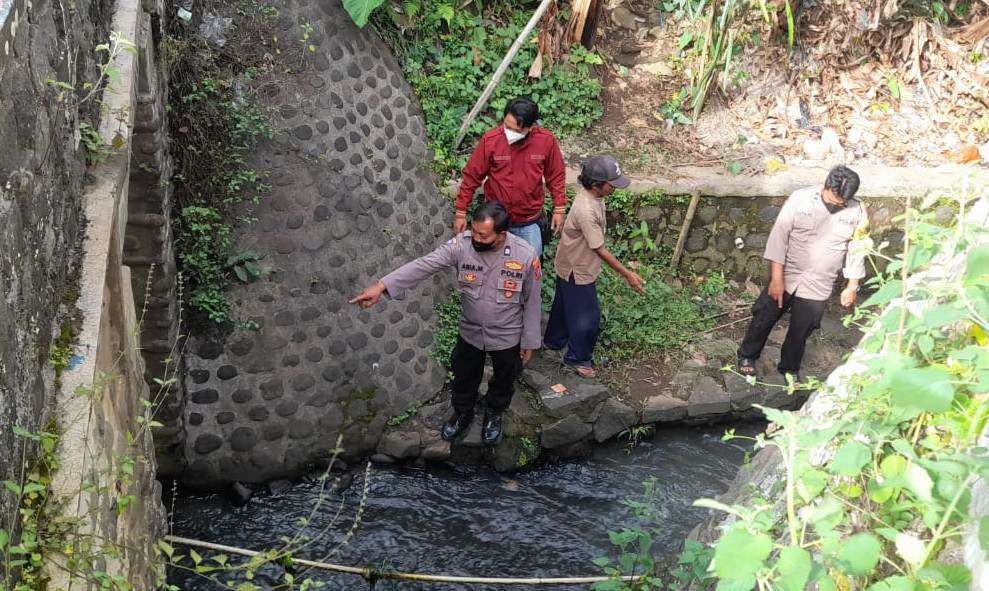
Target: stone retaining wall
[
  {"x": 729, "y": 234},
  {"x": 351, "y": 199}
]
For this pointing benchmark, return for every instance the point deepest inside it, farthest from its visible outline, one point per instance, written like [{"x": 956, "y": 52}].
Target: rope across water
[{"x": 369, "y": 573}]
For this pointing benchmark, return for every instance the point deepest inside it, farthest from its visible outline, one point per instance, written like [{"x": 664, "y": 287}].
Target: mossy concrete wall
[{"x": 42, "y": 168}]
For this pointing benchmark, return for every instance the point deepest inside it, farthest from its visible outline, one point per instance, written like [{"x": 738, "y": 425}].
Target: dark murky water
[{"x": 548, "y": 522}]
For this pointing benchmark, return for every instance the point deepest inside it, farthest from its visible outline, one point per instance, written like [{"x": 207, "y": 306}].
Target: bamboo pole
[
  {"x": 684, "y": 230},
  {"x": 502, "y": 68},
  {"x": 369, "y": 573}
]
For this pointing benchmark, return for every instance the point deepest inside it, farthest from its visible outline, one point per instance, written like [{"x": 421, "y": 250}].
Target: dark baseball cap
[{"x": 605, "y": 168}]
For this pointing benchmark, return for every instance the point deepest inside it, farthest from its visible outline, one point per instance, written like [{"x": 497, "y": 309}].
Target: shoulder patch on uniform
[
  {"x": 537, "y": 268},
  {"x": 514, "y": 265}
]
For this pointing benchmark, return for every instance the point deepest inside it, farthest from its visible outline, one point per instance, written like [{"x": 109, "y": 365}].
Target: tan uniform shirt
[
  {"x": 583, "y": 231},
  {"x": 499, "y": 290},
  {"x": 812, "y": 244}
]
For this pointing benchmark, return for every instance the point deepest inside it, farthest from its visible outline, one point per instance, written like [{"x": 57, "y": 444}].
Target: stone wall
[
  {"x": 350, "y": 200},
  {"x": 41, "y": 178},
  {"x": 67, "y": 295},
  {"x": 729, "y": 234},
  {"x": 106, "y": 453}
]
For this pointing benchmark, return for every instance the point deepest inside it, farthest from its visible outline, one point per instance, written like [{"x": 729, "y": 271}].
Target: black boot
[
  {"x": 491, "y": 433},
  {"x": 457, "y": 424}
]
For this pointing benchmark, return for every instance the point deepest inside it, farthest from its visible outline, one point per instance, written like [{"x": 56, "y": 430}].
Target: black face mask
[
  {"x": 482, "y": 246},
  {"x": 833, "y": 208}
]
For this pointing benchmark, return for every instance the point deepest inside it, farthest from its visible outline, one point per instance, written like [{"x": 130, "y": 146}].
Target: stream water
[{"x": 471, "y": 520}]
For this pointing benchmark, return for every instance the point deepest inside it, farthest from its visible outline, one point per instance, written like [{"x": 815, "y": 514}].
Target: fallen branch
[{"x": 727, "y": 324}]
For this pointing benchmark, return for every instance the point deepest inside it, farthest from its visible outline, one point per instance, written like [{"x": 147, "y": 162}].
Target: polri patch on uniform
[
  {"x": 537, "y": 269},
  {"x": 514, "y": 265},
  {"x": 509, "y": 294},
  {"x": 509, "y": 284},
  {"x": 470, "y": 277}
]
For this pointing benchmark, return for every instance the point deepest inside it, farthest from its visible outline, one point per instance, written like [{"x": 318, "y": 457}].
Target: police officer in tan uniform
[
  {"x": 809, "y": 244},
  {"x": 498, "y": 277}
]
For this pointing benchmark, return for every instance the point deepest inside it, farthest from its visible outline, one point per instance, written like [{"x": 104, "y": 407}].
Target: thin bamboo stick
[{"x": 369, "y": 573}]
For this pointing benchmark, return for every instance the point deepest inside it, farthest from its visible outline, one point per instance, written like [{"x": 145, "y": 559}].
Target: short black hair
[
  {"x": 589, "y": 183},
  {"x": 843, "y": 182},
  {"x": 494, "y": 211},
  {"x": 524, "y": 110}
]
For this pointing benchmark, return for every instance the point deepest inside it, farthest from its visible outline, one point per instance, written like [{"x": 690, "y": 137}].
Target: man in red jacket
[{"x": 513, "y": 161}]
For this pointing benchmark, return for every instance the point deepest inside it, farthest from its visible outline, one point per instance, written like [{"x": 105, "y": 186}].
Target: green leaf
[
  {"x": 859, "y": 554},
  {"x": 894, "y": 87},
  {"x": 360, "y": 10},
  {"x": 943, "y": 315},
  {"x": 850, "y": 459},
  {"x": 740, "y": 553},
  {"x": 601, "y": 561},
  {"x": 4, "y": 538},
  {"x": 984, "y": 533},
  {"x": 977, "y": 263},
  {"x": 892, "y": 466},
  {"x": 922, "y": 389},
  {"x": 166, "y": 548},
  {"x": 889, "y": 291},
  {"x": 794, "y": 567},
  {"x": 810, "y": 484},
  {"x": 743, "y": 583},
  {"x": 896, "y": 583}
]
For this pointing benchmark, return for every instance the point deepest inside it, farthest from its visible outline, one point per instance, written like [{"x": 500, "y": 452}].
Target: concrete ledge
[
  {"x": 877, "y": 181},
  {"x": 101, "y": 392}
]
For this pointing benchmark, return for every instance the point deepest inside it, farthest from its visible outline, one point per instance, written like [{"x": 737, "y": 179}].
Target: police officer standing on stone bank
[{"x": 498, "y": 277}]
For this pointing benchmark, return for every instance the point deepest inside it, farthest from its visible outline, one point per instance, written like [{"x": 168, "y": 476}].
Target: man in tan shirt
[
  {"x": 809, "y": 244},
  {"x": 575, "y": 319}
]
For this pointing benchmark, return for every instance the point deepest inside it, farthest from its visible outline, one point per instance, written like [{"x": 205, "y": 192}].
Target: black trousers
[
  {"x": 805, "y": 317},
  {"x": 467, "y": 364}
]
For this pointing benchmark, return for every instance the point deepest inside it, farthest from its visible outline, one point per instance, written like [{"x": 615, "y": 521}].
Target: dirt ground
[{"x": 802, "y": 107}]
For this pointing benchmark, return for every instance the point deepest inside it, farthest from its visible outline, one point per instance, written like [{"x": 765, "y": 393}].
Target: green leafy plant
[
  {"x": 641, "y": 241},
  {"x": 528, "y": 451},
  {"x": 876, "y": 486},
  {"x": 97, "y": 152},
  {"x": 447, "y": 329},
  {"x": 672, "y": 110},
  {"x": 216, "y": 121},
  {"x": 713, "y": 285},
  {"x": 244, "y": 265},
  {"x": 410, "y": 412},
  {"x": 634, "y": 546},
  {"x": 633, "y": 435},
  {"x": 448, "y": 55}
]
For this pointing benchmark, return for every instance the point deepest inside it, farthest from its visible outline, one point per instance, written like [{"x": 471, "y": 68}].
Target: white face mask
[{"x": 513, "y": 136}]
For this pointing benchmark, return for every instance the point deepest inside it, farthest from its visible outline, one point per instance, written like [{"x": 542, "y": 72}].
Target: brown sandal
[{"x": 583, "y": 371}]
